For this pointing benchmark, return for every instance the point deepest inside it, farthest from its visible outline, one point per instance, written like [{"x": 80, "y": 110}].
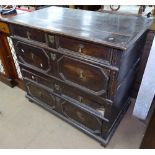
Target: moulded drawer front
[
  {"x": 28, "y": 33},
  {"x": 40, "y": 79},
  {"x": 87, "y": 76},
  {"x": 87, "y": 49},
  {"x": 40, "y": 94},
  {"x": 33, "y": 56},
  {"x": 101, "y": 107},
  {"x": 81, "y": 117}
]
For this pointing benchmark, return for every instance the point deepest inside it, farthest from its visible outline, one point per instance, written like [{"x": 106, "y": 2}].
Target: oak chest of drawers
[{"x": 79, "y": 65}]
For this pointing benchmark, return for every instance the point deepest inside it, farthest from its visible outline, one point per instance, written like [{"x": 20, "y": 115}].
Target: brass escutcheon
[
  {"x": 40, "y": 93},
  {"x": 53, "y": 56},
  {"x": 81, "y": 48},
  {"x": 57, "y": 87},
  {"x": 82, "y": 76},
  {"x": 51, "y": 39},
  {"x": 80, "y": 98},
  {"x": 28, "y": 35},
  {"x": 32, "y": 56}
]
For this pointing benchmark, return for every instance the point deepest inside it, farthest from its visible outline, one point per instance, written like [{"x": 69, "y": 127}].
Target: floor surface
[{"x": 26, "y": 125}]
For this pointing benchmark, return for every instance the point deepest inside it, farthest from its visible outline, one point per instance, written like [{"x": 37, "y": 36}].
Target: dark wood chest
[{"x": 79, "y": 65}]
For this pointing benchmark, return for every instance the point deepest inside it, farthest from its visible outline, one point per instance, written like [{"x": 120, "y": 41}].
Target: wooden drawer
[
  {"x": 34, "y": 35},
  {"x": 81, "y": 117},
  {"x": 4, "y": 28},
  {"x": 40, "y": 94},
  {"x": 86, "y": 49},
  {"x": 35, "y": 57},
  {"x": 28, "y": 33},
  {"x": 100, "y": 106},
  {"x": 90, "y": 77},
  {"x": 38, "y": 78}
]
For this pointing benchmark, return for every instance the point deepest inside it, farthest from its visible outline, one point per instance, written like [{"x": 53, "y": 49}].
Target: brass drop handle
[
  {"x": 28, "y": 35},
  {"x": 81, "y": 48},
  {"x": 57, "y": 87},
  {"x": 80, "y": 98},
  {"x": 53, "y": 56},
  {"x": 82, "y": 75},
  {"x": 40, "y": 94},
  {"x": 80, "y": 116},
  {"x": 32, "y": 56}
]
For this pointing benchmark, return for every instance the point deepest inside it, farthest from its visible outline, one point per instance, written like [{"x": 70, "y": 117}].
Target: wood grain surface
[{"x": 106, "y": 28}]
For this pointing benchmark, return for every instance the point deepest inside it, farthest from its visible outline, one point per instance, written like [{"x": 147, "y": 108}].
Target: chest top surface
[{"x": 111, "y": 29}]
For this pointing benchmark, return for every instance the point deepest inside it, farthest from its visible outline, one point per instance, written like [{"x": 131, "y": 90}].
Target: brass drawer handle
[
  {"x": 80, "y": 116},
  {"x": 53, "y": 56},
  {"x": 80, "y": 98},
  {"x": 81, "y": 48},
  {"x": 57, "y": 87},
  {"x": 32, "y": 56},
  {"x": 28, "y": 35},
  {"x": 40, "y": 94},
  {"x": 82, "y": 75}
]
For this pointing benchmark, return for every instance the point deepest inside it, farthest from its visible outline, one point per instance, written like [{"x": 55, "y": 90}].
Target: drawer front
[
  {"x": 87, "y": 49},
  {"x": 40, "y": 94},
  {"x": 81, "y": 117},
  {"x": 28, "y": 33},
  {"x": 38, "y": 78},
  {"x": 35, "y": 57},
  {"x": 4, "y": 28},
  {"x": 84, "y": 75},
  {"x": 100, "y": 106}
]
